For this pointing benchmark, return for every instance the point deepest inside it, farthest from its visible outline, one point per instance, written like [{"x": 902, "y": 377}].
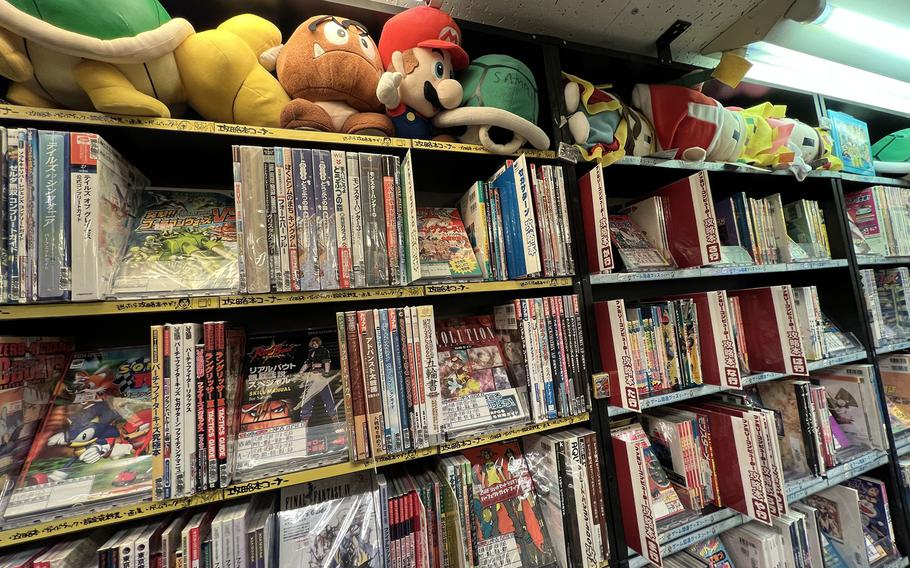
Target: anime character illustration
[{"x": 265, "y": 414}]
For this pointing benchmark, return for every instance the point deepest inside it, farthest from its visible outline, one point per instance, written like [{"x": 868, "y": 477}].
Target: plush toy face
[
  {"x": 428, "y": 85},
  {"x": 331, "y": 59}
]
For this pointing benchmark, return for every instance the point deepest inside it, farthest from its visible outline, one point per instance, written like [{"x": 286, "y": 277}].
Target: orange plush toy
[{"x": 330, "y": 67}]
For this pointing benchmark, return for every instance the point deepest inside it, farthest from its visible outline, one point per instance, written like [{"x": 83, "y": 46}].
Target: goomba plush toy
[
  {"x": 420, "y": 49},
  {"x": 131, "y": 57},
  {"x": 330, "y": 67},
  {"x": 499, "y": 107}
]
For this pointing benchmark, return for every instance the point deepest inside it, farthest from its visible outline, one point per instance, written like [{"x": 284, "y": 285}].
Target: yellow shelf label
[
  {"x": 441, "y": 145},
  {"x": 279, "y": 298},
  {"x": 472, "y": 287},
  {"x": 31, "y": 311},
  {"x": 310, "y": 135}
]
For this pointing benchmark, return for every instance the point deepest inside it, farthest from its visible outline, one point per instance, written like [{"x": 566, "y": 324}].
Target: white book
[
  {"x": 176, "y": 403},
  {"x": 251, "y": 204},
  {"x": 170, "y": 542},
  {"x": 527, "y": 222},
  {"x": 192, "y": 336},
  {"x": 284, "y": 253},
  {"x": 127, "y": 548},
  {"x": 840, "y": 504},
  {"x": 547, "y": 372},
  {"x": 419, "y": 412},
  {"x": 287, "y": 187},
  {"x": 217, "y": 546},
  {"x": 355, "y": 221},
  {"x": 814, "y": 539},
  {"x": 411, "y": 245},
  {"x": 342, "y": 218},
  {"x": 565, "y": 233},
  {"x": 148, "y": 544},
  {"x": 427, "y": 337}
]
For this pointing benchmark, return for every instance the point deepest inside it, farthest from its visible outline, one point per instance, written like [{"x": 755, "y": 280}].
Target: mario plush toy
[{"x": 420, "y": 49}]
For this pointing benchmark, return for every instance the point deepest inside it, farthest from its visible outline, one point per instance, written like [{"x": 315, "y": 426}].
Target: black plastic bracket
[{"x": 663, "y": 42}]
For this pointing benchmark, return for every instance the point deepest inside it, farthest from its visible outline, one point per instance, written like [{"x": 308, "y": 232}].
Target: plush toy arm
[
  {"x": 14, "y": 63},
  {"x": 387, "y": 89}
]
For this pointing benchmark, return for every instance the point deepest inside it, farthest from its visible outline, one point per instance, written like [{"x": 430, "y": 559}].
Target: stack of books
[
  {"x": 882, "y": 215},
  {"x": 887, "y": 297}
]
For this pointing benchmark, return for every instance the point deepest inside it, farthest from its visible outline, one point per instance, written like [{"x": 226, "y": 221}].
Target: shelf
[
  {"x": 685, "y": 394},
  {"x": 713, "y": 524},
  {"x": 902, "y": 443},
  {"x": 892, "y": 347},
  {"x": 874, "y": 180},
  {"x": 69, "y": 309},
  {"x": 713, "y": 271},
  {"x": 102, "y": 517},
  {"x": 881, "y": 260},
  {"x": 438, "y": 145}
]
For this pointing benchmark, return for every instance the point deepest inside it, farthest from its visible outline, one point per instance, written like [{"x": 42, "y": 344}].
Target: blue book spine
[
  {"x": 12, "y": 212},
  {"x": 391, "y": 381},
  {"x": 741, "y": 208},
  {"x": 398, "y": 365},
  {"x": 52, "y": 173},
  {"x": 511, "y": 219},
  {"x": 549, "y": 347}
]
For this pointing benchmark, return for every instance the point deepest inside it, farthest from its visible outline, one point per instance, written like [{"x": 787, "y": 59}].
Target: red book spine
[
  {"x": 691, "y": 222},
  {"x": 358, "y": 397},
  {"x": 211, "y": 438},
  {"x": 201, "y": 448},
  {"x": 220, "y": 393},
  {"x": 391, "y": 226}
]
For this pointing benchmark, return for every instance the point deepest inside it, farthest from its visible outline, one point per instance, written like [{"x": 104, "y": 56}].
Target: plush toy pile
[
  {"x": 678, "y": 122},
  {"x": 130, "y": 57}
]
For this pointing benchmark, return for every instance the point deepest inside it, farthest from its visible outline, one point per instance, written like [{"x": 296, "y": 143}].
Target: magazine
[
  {"x": 477, "y": 390},
  {"x": 182, "y": 242},
  {"x": 510, "y": 528},
  {"x": 446, "y": 253},
  {"x": 94, "y": 442},
  {"x": 292, "y": 409}
]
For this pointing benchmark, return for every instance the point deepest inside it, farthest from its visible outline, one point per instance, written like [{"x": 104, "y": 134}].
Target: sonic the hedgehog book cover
[{"x": 94, "y": 442}]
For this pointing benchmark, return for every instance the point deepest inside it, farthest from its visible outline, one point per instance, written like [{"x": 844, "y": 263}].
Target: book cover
[
  {"x": 251, "y": 205},
  {"x": 477, "y": 390},
  {"x": 376, "y": 256},
  {"x": 634, "y": 248},
  {"x": 593, "y": 194},
  {"x": 873, "y": 506},
  {"x": 691, "y": 224},
  {"x": 292, "y": 410},
  {"x": 851, "y": 143},
  {"x": 94, "y": 442},
  {"x": 510, "y": 529},
  {"x": 341, "y": 197},
  {"x": 327, "y": 243},
  {"x": 772, "y": 334},
  {"x": 841, "y": 523},
  {"x": 472, "y": 207},
  {"x": 53, "y": 247},
  {"x": 182, "y": 242},
  {"x": 446, "y": 253}
]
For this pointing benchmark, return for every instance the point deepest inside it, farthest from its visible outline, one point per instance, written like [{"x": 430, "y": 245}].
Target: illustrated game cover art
[
  {"x": 30, "y": 368},
  {"x": 851, "y": 143},
  {"x": 292, "y": 408},
  {"x": 445, "y": 251},
  {"x": 477, "y": 390},
  {"x": 873, "y": 506},
  {"x": 94, "y": 442},
  {"x": 331, "y": 523},
  {"x": 182, "y": 241},
  {"x": 509, "y": 526}
]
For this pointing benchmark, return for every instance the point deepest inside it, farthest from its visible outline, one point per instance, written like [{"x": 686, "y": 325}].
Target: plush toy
[
  {"x": 693, "y": 125},
  {"x": 892, "y": 153},
  {"x": 330, "y": 67},
  {"x": 499, "y": 107},
  {"x": 595, "y": 120},
  {"x": 227, "y": 72},
  {"x": 131, "y": 57},
  {"x": 420, "y": 50}
]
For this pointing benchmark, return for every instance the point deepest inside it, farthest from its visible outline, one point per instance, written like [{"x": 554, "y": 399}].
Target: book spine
[
  {"x": 156, "y": 355},
  {"x": 355, "y": 209},
  {"x": 561, "y": 344},
  {"x": 358, "y": 408},
  {"x": 540, "y": 212},
  {"x": 325, "y": 206},
  {"x": 527, "y": 223},
  {"x": 31, "y": 208},
  {"x": 374, "y": 230},
  {"x": 188, "y": 392},
  {"x": 342, "y": 221},
  {"x": 427, "y": 338},
  {"x": 582, "y": 349},
  {"x": 236, "y": 161},
  {"x": 53, "y": 214},
  {"x": 307, "y": 222},
  {"x": 344, "y": 359},
  {"x": 290, "y": 200},
  {"x": 167, "y": 422},
  {"x": 221, "y": 397},
  {"x": 271, "y": 227},
  {"x": 13, "y": 214},
  {"x": 284, "y": 250},
  {"x": 201, "y": 463},
  {"x": 403, "y": 372},
  {"x": 178, "y": 404},
  {"x": 416, "y": 361},
  {"x": 565, "y": 227},
  {"x": 555, "y": 386},
  {"x": 392, "y": 216},
  {"x": 390, "y": 382},
  {"x": 211, "y": 405},
  {"x": 411, "y": 241},
  {"x": 84, "y": 216},
  {"x": 371, "y": 364}
]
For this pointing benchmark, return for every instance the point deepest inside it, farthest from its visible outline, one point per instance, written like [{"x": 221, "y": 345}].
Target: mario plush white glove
[{"x": 387, "y": 89}]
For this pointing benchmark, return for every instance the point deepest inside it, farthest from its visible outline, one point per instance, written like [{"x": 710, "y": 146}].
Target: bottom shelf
[{"x": 710, "y": 525}]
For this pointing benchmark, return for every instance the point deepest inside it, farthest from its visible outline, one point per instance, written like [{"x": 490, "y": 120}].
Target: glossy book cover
[
  {"x": 94, "y": 442},
  {"x": 445, "y": 252}
]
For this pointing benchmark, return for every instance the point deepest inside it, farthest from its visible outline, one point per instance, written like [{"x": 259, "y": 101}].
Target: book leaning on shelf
[
  {"x": 311, "y": 219},
  {"x": 882, "y": 215},
  {"x": 895, "y": 377},
  {"x": 886, "y": 293}
]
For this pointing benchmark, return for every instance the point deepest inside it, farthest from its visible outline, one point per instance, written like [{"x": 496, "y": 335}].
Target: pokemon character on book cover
[
  {"x": 292, "y": 407},
  {"x": 94, "y": 442}
]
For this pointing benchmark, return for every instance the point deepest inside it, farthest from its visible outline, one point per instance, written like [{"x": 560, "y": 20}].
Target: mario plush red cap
[{"x": 422, "y": 26}]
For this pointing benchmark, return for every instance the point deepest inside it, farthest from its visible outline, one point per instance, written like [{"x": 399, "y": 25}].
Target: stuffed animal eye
[
  {"x": 334, "y": 33},
  {"x": 367, "y": 46},
  {"x": 439, "y": 69}
]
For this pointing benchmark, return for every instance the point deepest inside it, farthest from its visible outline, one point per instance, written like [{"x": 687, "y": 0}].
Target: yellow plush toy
[{"x": 130, "y": 57}]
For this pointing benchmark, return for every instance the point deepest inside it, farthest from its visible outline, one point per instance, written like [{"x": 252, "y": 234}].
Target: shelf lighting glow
[
  {"x": 777, "y": 65},
  {"x": 860, "y": 28}
]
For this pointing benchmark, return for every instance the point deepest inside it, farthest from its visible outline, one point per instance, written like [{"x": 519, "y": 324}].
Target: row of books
[
  {"x": 881, "y": 215},
  {"x": 740, "y": 449},
  {"x": 713, "y": 338},
  {"x": 681, "y": 226},
  {"x": 847, "y": 525},
  {"x": 886, "y": 293},
  {"x": 533, "y": 502}
]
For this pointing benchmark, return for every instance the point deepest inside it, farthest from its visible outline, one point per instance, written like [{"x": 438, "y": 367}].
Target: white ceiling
[{"x": 627, "y": 25}]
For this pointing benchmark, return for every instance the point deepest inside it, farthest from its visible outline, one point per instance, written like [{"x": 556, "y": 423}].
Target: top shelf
[{"x": 14, "y": 112}]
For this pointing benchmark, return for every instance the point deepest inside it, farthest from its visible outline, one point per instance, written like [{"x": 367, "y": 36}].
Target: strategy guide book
[
  {"x": 292, "y": 411},
  {"x": 477, "y": 390},
  {"x": 93, "y": 445},
  {"x": 183, "y": 242}
]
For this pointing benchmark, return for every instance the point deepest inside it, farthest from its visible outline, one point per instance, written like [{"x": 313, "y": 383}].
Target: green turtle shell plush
[{"x": 109, "y": 55}]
